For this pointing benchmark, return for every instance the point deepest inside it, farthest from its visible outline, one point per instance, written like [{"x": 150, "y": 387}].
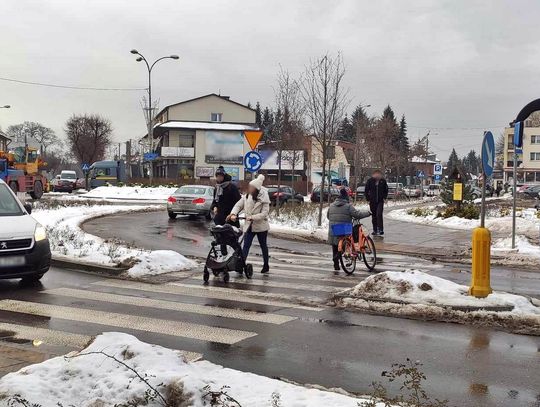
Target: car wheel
[
  {"x": 38, "y": 190},
  {"x": 172, "y": 215},
  {"x": 208, "y": 216}
]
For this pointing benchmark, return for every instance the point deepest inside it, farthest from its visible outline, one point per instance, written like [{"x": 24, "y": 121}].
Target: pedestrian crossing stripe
[
  {"x": 219, "y": 293},
  {"x": 139, "y": 323},
  {"x": 290, "y": 286},
  {"x": 49, "y": 336},
  {"x": 269, "y": 318}
]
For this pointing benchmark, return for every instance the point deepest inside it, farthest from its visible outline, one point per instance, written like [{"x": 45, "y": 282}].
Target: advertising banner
[
  {"x": 204, "y": 172},
  {"x": 224, "y": 147},
  {"x": 288, "y": 159},
  {"x": 234, "y": 172}
]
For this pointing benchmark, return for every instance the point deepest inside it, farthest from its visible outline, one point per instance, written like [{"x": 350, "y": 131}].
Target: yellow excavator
[{"x": 19, "y": 168}]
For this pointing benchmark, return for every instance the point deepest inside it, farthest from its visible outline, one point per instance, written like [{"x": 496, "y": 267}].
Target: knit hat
[
  {"x": 343, "y": 193},
  {"x": 257, "y": 182},
  {"x": 220, "y": 170}
]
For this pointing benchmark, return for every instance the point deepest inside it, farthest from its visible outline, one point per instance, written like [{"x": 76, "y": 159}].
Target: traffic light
[{"x": 518, "y": 134}]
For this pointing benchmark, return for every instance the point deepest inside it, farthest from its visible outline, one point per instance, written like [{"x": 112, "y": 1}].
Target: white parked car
[{"x": 24, "y": 248}]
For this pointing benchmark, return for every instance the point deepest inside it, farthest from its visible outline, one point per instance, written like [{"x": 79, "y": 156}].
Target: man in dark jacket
[
  {"x": 341, "y": 211},
  {"x": 376, "y": 193},
  {"x": 226, "y": 195}
]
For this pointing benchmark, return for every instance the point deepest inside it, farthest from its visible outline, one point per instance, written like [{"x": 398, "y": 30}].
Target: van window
[{"x": 8, "y": 203}]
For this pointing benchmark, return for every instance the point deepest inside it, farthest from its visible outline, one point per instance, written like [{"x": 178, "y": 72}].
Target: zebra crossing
[{"x": 183, "y": 311}]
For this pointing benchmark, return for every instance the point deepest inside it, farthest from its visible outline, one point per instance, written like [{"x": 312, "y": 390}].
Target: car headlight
[{"x": 40, "y": 233}]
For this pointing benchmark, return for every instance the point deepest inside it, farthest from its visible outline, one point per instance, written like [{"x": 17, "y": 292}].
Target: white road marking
[
  {"x": 219, "y": 293},
  {"x": 49, "y": 336},
  {"x": 156, "y": 325},
  {"x": 290, "y": 286},
  {"x": 62, "y": 338},
  {"x": 173, "y": 306}
]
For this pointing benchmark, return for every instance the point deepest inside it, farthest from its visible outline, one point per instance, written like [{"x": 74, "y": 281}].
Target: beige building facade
[
  {"x": 528, "y": 161},
  {"x": 196, "y": 136}
]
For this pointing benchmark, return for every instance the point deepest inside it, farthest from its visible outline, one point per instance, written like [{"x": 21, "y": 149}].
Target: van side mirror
[{"x": 28, "y": 207}]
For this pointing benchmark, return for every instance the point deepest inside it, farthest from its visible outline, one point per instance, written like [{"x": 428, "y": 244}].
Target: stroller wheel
[
  {"x": 249, "y": 270},
  {"x": 206, "y": 275},
  {"x": 226, "y": 277}
]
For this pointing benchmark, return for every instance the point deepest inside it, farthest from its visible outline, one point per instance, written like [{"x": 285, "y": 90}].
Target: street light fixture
[
  {"x": 5, "y": 107},
  {"x": 150, "y": 113}
]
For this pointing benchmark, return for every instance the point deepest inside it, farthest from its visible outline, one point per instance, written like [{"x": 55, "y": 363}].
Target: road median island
[
  {"x": 73, "y": 248},
  {"x": 417, "y": 295}
]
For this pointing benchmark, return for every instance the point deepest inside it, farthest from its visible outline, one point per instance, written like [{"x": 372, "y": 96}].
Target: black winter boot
[{"x": 265, "y": 269}]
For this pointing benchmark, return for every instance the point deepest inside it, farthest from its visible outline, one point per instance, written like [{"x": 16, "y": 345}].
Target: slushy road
[{"x": 272, "y": 325}]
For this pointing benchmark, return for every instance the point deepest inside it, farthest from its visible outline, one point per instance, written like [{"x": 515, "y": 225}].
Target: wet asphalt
[{"x": 469, "y": 366}]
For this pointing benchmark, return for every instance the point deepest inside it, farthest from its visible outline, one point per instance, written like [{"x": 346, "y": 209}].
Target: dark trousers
[
  {"x": 262, "y": 237},
  {"x": 335, "y": 255},
  {"x": 376, "y": 209}
]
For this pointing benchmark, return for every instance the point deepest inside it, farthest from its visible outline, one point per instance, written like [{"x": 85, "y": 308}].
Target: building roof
[
  {"x": 176, "y": 124},
  {"x": 226, "y": 98},
  {"x": 422, "y": 160}
]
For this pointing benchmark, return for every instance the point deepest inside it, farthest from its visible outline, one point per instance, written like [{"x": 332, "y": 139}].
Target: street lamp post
[
  {"x": 5, "y": 107},
  {"x": 150, "y": 120}
]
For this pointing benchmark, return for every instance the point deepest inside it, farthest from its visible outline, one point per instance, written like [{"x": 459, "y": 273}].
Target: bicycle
[{"x": 349, "y": 251}]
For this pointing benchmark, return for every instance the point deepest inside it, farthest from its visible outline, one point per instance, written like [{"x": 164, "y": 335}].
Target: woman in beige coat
[{"x": 256, "y": 207}]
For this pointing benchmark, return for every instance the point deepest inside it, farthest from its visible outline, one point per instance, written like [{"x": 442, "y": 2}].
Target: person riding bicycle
[{"x": 341, "y": 211}]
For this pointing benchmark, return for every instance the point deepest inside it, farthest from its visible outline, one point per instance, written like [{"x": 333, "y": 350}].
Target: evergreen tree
[
  {"x": 453, "y": 161},
  {"x": 249, "y": 105},
  {"x": 389, "y": 114},
  {"x": 258, "y": 115},
  {"x": 403, "y": 139},
  {"x": 471, "y": 163},
  {"x": 267, "y": 123},
  {"x": 346, "y": 130}
]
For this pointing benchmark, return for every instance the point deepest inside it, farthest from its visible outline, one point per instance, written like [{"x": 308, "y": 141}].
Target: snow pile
[
  {"x": 131, "y": 193},
  {"x": 527, "y": 221},
  {"x": 70, "y": 242},
  {"x": 93, "y": 379},
  {"x": 523, "y": 247},
  {"x": 417, "y": 294}
]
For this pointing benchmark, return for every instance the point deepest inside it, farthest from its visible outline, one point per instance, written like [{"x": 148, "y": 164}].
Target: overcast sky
[{"x": 449, "y": 66}]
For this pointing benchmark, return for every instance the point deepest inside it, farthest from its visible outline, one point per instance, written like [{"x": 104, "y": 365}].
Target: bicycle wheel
[
  {"x": 369, "y": 253},
  {"x": 347, "y": 257}
]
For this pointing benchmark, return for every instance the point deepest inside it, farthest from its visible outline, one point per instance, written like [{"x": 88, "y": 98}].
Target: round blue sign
[
  {"x": 253, "y": 161},
  {"x": 488, "y": 154}
]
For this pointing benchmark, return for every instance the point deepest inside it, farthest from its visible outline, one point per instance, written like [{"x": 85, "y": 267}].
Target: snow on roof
[
  {"x": 205, "y": 126},
  {"x": 423, "y": 160}
]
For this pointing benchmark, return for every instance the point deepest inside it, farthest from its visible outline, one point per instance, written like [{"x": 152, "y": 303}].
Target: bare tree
[
  {"x": 33, "y": 132},
  {"x": 289, "y": 127},
  {"x": 88, "y": 137},
  {"x": 325, "y": 101}
]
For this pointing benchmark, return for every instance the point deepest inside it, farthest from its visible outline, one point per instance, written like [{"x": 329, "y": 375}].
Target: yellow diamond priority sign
[{"x": 253, "y": 137}]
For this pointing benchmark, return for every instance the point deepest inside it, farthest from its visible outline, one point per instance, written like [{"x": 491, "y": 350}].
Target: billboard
[
  {"x": 234, "y": 172},
  {"x": 288, "y": 158},
  {"x": 224, "y": 147},
  {"x": 204, "y": 172}
]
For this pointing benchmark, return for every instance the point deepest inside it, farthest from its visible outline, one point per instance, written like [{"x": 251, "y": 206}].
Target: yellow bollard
[{"x": 481, "y": 247}]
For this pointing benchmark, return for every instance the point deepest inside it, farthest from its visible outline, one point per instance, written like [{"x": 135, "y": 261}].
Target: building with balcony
[
  {"x": 528, "y": 158},
  {"x": 194, "y": 137}
]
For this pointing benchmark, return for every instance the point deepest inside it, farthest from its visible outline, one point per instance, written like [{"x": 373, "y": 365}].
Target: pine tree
[
  {"x": 258, "y": 115},
  {"x": 267, "y": 123},
  {"x": 249, "y": 105},
  {"x": 346, "y": 130},
  {"x": 471, "y": 163},
  {"x": 453, "y": 162},
  {"x": 389, "y": 114}
]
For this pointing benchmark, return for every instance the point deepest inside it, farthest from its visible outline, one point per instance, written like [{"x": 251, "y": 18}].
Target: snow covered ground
[
  {"x": 527, "y": 221},
  {"x": 524, "y": 248},
  {"x": 124, "y": 193},
  {"x": 90, "y": 378},
  {"x": 417, "y": 294},
  {"x": 69, "y": 241}
]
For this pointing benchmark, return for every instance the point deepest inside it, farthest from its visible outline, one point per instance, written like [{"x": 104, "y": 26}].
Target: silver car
[{"x": 191, "y": 200}]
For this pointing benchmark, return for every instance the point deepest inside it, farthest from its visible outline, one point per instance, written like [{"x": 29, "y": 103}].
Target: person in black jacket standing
[
  {"x": 226, "y": 195},
  {"x": 376, "y": 193}
]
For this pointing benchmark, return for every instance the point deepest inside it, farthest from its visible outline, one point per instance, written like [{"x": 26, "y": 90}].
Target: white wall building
[{"x": 528, "y": 162}]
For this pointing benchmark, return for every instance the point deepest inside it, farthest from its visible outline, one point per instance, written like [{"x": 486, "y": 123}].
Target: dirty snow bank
[
  {"x": 417, "y": 294},
  {"x": 70, "y": 242},
  {"x": 524, "y": 248},
  {"x": 84, "y": 379}
]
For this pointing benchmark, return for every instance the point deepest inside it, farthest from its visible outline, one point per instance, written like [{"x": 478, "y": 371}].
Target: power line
[
  {"x": 51, "y": 85},
  {"x": 455, "y": 128}
]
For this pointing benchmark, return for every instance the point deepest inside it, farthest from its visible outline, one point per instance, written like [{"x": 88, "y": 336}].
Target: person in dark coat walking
[
  {"x": 226, "y": 195},
  {"x": 341, "y": 211},
  {"x": 376, "y": 193}
]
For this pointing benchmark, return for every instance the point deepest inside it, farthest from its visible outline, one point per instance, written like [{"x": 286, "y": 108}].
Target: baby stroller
[{"x": 220, "y": 262}]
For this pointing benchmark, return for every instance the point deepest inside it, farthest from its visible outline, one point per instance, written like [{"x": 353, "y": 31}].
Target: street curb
[
  {"x": 87, "y": 267},
  {"x": 464, "y": 308}
]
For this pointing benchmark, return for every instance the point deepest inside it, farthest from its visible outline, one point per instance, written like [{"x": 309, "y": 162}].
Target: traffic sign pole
[{"x": 481, "y": 237}]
